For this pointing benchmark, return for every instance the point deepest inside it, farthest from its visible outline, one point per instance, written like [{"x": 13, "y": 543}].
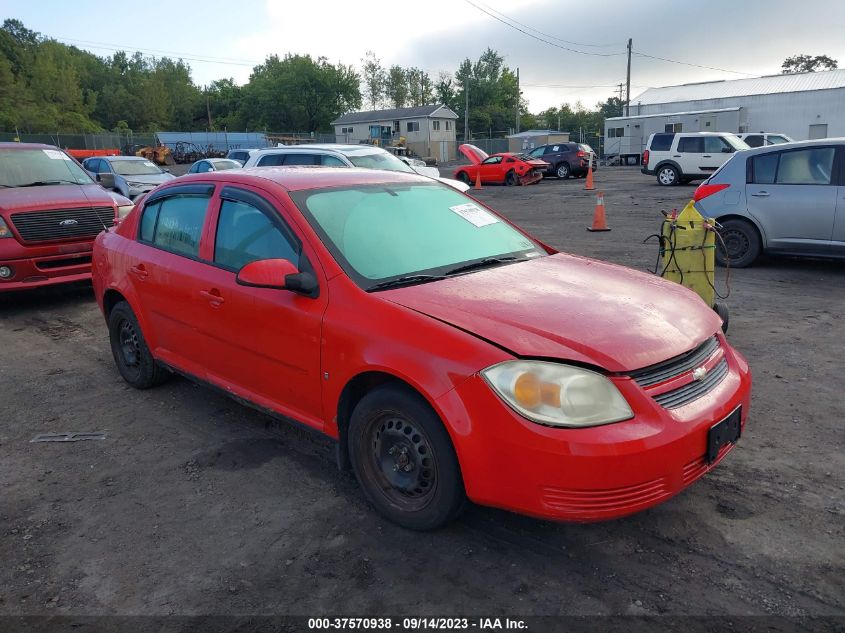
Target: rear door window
[
  {"x": 764, "y": 168},
  {"x": 175, "y": 224},
  {"x": 661, "y": 142},
  {"x": 300, "y": 159},
  {"x": 753, "y": 140},
  {"x": 691, "y": 145}
]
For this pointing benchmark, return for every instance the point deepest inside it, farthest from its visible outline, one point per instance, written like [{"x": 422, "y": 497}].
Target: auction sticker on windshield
[
  {"x": 55, "y": 154},
  {"x": 474, "y": 214}
]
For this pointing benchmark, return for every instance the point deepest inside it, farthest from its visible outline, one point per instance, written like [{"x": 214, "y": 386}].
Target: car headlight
[
  {"x": 4, "y": 229},
  {"x": 124, "y": 210},
  {"x": 556, "y": 394},
  {"x": 137, "y": 185}
]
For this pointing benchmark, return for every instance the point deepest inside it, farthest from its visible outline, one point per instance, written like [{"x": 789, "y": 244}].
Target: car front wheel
[
  {"x": 667, "y": 176},
  {"x": 131, "y": 354},
  {"x": 404, "y": 459},
  {"x": 511, "y": 179},
  {"x": 739, "y": 245},
  {"x": 464, "y": 178}
]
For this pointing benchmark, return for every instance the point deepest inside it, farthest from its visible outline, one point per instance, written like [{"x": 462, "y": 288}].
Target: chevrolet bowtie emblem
[{"x": 699, "y": 373}]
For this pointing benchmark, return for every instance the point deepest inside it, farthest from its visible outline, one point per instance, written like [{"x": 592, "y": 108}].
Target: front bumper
[
  {"x": 588, "y": 474},
  {"x": 529, "y": 178},
  {"x": 45, "y": 266}
]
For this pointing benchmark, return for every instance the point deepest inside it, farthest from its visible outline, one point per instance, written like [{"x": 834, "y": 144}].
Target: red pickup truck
[{"x": 50, "y": 212}]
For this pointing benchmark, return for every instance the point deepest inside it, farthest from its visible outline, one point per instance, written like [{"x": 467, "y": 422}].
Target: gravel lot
[{"x": 196, "y": 505}]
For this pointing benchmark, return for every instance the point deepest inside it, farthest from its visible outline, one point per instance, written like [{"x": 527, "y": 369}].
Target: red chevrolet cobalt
[{"x": 451, "y": 355}]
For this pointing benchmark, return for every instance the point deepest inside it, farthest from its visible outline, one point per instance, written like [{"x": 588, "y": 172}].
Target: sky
[{"x": 583, "y": 57}]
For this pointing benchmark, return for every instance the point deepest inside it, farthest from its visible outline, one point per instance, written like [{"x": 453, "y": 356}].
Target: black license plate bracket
[{"x": 727, "y": 431}]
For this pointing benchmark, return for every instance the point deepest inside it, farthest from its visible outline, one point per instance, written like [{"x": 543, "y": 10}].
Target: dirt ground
[{"x": 196, "y": 505}]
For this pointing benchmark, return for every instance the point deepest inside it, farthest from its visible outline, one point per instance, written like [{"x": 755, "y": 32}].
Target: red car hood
[
  {"x": 472, "y": 153},
  {"x": 570, "y": 308},
  {"x": 54, "y": 197}
]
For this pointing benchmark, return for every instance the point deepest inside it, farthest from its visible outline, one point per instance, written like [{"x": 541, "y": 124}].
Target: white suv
[
  {"x": 759, "y": 139},
  {"x": 685, "y": 156}
]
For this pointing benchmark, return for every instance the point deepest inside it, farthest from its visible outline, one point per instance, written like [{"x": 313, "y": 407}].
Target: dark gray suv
[{"x": 566, "y": 159}]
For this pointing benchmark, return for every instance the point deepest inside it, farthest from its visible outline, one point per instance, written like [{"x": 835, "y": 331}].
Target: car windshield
[
  {"x": 30, "y": 167},
  {"x": 135, "y": 167},
  {"x": 736, "y": 142},
  {"x": 391, "y": 231},
  {"x": 379, "y": 160},
  {"x": 220, "y": 165}
]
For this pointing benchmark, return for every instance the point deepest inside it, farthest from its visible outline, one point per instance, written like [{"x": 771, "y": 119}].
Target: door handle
[
  {"x": 761, "y": 194},
  {"x": 213, "y": 297},
  {"x": 706, "y": 156},
  {"x": 139, "y": 271},
  {"x": 676, "y": 156}
]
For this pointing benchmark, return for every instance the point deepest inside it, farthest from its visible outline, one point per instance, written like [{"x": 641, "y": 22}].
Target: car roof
[
  {"x": 110, "y": 158},
  {"x": 308, "y": 177},
  {"x": 795, "y": 144},
  {"x": 325, "y": 147},
  {"x": 13, "y": 145}
]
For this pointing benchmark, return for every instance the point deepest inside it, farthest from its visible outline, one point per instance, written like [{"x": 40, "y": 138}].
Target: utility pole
[
  {"x": 628, "y": 83},
  {"x": 466, "y": 111},
  {"x": 208, "y": 111},
  {"x": 517, "y": 101}
]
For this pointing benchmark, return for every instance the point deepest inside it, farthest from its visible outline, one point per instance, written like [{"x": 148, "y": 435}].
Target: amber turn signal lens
[{"x": 526, "y": 390}]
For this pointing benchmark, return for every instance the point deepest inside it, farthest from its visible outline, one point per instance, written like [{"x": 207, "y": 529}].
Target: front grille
[
  {"x": 49, "y": 264},
  {"x": 675, "y": 366},
  {"x": 689, "y": 392},
  {"x": 43, "y": 226}
]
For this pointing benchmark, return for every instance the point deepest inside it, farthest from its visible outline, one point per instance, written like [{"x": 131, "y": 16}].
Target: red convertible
[{"x": 503, "y": 168}]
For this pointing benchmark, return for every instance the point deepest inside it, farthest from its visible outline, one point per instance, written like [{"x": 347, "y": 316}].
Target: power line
[
  {"x": 530, "y": 28},
  {"x": 675, "y": 61},
  {"x": 545, "y": 41},
  {"x": 119, "y": 48}
]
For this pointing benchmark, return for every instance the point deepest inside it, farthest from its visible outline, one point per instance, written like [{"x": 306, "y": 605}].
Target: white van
[{"x": 686, "y": 156}]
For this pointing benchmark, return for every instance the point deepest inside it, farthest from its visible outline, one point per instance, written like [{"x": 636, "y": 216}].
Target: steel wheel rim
[
  {"x": 400, "y": 460},
  {"x": 736, "y": 243},
  {"x": 130, "y": 346},
  {"x": 667, "y": 176}
]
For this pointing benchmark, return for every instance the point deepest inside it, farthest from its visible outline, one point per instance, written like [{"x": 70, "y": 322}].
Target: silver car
[
  {"x": 786, "y": 199},
  {"x": 130, "y": 176}
]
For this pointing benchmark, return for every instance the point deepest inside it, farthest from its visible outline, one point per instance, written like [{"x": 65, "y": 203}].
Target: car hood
[
  {"x": 472, "y": 153},
  {"x": 455, "y": 184},
  {"x": 150, "y": 179},
  {"x": 569, "y": 308},
  {"x": 54, "y": 197}
]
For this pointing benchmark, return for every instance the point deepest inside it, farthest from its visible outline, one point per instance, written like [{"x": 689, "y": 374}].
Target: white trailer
[{"x": 625, "y": 136}]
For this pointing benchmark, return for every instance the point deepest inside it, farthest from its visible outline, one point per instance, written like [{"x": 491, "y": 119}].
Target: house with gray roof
[{"x": 428, "y": 131}]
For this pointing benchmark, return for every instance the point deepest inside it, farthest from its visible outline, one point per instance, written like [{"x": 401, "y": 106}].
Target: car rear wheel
[
  {"x": 511, "y": 179},
  {"x": 404, "y": 459},
  {"x": 562, "y": 170},
  {"x": 131, "y": 354},
  {"x": 739, "y": 245},
  {"x": 464, "y": 178},
  {"x": 667, "y": 176}
]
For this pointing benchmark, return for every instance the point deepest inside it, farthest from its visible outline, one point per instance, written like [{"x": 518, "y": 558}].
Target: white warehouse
[{"x": 801, "y": 105}]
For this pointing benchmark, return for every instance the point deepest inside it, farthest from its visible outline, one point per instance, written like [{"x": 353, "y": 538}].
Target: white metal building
[
  {"x": 428, "y": 130},
  {"x": 801, "y": 105}
]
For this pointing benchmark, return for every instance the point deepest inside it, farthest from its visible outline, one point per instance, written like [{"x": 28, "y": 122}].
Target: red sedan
[
  {"x": 503, "y": 168},
  {"x": 449, "y": 353}
]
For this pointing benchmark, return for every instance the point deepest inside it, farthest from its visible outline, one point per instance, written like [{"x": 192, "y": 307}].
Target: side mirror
[
  {"x": 106, "y": 180},
  {"x": 166, "y": 171},
  {"x": 279, "y": 274}
]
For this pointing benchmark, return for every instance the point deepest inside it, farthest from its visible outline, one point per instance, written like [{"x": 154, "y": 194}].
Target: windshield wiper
[
  {"x": 484, "y": 263},
  {"x": 39, "y": 183},
  {"x": 407, "y": 280}
]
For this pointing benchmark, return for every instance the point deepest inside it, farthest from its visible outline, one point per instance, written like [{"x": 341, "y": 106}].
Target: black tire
[
  {"x": 722, "y": 310},
  {"x": 511, "y": 179},
  {"x": 740, "y": 244},
  {"x": 667, "y": 176},
  {"x": 562, "y": 171},
  {"x": 464, "y": 178},
  {"x": 404, "y": 459},
  {"x": 131, "y": 354}
]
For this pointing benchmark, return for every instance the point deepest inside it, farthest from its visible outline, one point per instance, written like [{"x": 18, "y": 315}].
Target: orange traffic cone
[
  {"x": 478, "y": 179},
  {"x": 599, "y": 219},
  {"x": 588, "y": 186}
]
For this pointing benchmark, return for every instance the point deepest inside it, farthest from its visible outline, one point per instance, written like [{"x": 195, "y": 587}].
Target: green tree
[
  {"x": 808, "y": 64},
  {"x": 374, "y": 79},
  {"x": 396, "y": 87}
]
